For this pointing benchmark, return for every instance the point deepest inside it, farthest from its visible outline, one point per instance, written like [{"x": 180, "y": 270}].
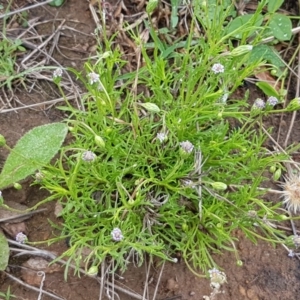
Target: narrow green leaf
[
  {"x": 267, "y": 89},
  {"x": 281, "y": 27},
  {"x": 4, "y": 252},
  {"x": 32, "y": 151},
  {"x": 273, "y": 5}
]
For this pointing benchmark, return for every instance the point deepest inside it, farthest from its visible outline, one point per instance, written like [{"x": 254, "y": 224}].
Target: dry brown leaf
[{"x": 267, "y": 77}]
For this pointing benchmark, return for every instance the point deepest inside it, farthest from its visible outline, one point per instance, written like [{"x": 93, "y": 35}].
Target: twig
[
  {"x": 24, "y": 9},
  {"x": 32, "y": 287},
  {"x": 82, "y": 271},
  {"x": 158, "y": 280},
  {"x": 294, "y": 112},
  {"x": 45, "y": 42},
  {"x": 271, "y": 38},
  {"x": 22, "y": 215},
  {"x": 51, "y": 102}
]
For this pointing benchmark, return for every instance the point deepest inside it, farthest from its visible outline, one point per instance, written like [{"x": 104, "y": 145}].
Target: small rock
[
  {"x": 13, "y": 229},
  {"x": 252, "y": 294},
  {"x": 172, "y": 285},
  {"x": 192, "y": 293},
  {"x": 34, "y": 265},
  {"x": 242, "y": 290},
  {"x": 58, "y": 209}
]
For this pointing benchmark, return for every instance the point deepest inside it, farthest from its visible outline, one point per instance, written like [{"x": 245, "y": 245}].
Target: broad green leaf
[
  {"x": 264, "y": 52},
  {"x": 237, "y": 26},
  {"x": 174, "y": 14},
  {"x": 267, "y": 89},
  {"x": 281, "y": 27},
  {"x": 273, "y": 5},
  {"x": 32, "y": 151},
  {"x": 4, "y": 252},
  {"x": 57, "y": 3}
]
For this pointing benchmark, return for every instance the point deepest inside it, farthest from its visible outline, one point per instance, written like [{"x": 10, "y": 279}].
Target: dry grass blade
[
  {"x": 158, "y": 281},
  {"x": 296, "y": 96},
  {"x": 8, "y": 14}
]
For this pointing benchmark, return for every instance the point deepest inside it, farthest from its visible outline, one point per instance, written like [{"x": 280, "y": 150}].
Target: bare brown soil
[{"x": 267, "y": 272}]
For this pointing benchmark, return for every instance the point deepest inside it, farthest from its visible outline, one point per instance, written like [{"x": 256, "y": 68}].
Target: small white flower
[
  {"x": 272, "y": 101},
  {"x": 57, "y": 73},
  {"x": 259, "y": 103},
  {"x": 187, "y": 146},
  {"x": 161, "y": 136},
  {"x": 21, "y": 238},
  {"x": 93, "y": 77},
  {"x": 117, "y": 235},
  {"x": 89, "y": 156},
  {"x": 218, "y": 68}
]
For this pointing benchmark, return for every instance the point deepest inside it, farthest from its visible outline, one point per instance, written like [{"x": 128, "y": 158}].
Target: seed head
[
  {"x": 117, "y": 235},
  {"x": 296, "y": 240},
  {"x": 39, "y": 176},
  {"x": 21, "y": 238},
  {"x": 259, "y": 104},
  {"x": 161, "y": 136},
  {"x": 89, "y": 156},
  {"x": 218, "y": 68},
  {"x": 57, "y": 73},
  {"x": 217, "y": 278},
  {"x": 93, "y": 77},
  {"x": 272, "y": 101},
  {"x": 291, "y": 193},
  {"x": 187, "y": 147}
]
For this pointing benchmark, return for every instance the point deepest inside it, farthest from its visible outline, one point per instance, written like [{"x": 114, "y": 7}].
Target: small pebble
[{"x": 192, "y": 293}]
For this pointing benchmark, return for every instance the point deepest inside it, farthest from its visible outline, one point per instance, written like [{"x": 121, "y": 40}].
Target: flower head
[
  {"x": 57, "y": 73},
  {"x": 224, "y": 98},
  {"x": 161, "y": 136},
  {"x": 39, "y": 176},
  {"x": 218, "y": 68},
  {"x": 296, "y": 240},
  {"x": 291, "y": 193},
  {"x": 117, "y": 235},
  {"x": 93, "y": 77},
  {"x": 89, "y": 156},
  {"x": 272, "y": 101},
  {"x": 217, "y": 278},
  {"x": 21, "y": 238},
  {"x": 187, "y": 147},
  {"x": 259, "y": 104}
]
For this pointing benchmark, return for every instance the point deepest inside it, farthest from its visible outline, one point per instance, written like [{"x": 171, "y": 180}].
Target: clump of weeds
[{"x": 168, "y": 158}]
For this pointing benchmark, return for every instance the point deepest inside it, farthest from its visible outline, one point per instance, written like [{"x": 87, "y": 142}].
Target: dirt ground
[{"x": 267, "y": 272}]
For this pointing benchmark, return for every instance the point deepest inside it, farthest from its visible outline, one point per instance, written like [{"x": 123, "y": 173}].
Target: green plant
[
  {"x": 33, "y": 151},
  {"x": 8, "y": 48},
  {"x": 7, "y": 295},
  {"x": 177, "y": 168},
  {"x": 166, "y": 170},
  {"x": 263, "y": 26}
]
